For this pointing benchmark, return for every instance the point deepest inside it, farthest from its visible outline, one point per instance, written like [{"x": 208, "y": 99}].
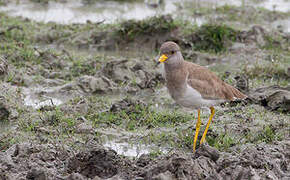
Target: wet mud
[{"x": 96, "y": 162}]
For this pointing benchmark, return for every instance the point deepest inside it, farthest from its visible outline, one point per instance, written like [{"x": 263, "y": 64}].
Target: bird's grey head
[{"x": 170, "y": 54}]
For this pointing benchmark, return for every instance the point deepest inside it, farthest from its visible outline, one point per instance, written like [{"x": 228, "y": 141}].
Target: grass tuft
[
  {"x": 211, "y": 37},
  {"x": 152, "y": 26}
]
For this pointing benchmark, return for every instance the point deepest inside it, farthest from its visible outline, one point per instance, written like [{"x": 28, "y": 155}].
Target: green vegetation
[
  {"x": 2, "y": 2},
  {"x": 15, "y": 41},
  {"x": 222, "y": 142},
  {"x": 267, "y": 135},
  {"x": 84, "y": 66},
  {"x": 273, "y": 43},
  {"x": 138, "y": 116},
  {"x": 274, "y": 66},
  {"x": 155, "y": 154},
  {"x": 131, "y": 29},
  {"x": 6, "y": 141},
  {"x": 211, "y": 37}
]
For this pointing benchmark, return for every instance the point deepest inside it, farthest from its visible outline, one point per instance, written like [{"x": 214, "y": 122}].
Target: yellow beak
[{"x": 163, "y": 58}]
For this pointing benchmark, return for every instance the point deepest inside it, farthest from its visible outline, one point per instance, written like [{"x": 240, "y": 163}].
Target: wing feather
[{"x": 209, "y": 85}]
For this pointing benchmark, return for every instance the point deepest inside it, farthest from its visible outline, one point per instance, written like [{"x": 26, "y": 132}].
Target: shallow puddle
[
  {"x": 33, "y": 98},
  {"x": 273, "y": 5},
  {"x": 76, "y": 11},
  {"x": 283, "y": 25},
  {"x": 132, "y": 150}
]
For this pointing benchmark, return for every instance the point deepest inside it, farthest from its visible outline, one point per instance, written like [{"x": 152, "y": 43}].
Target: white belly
[{"x": 193, "y": 99}]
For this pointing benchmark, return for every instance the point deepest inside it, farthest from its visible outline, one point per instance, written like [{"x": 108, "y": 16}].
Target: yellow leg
[
  {"x": 208, "y": 123},
  {"x": 196, "y": 129}
]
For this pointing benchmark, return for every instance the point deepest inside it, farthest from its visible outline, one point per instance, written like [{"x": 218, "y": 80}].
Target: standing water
[{"x": 77, "y": 11}]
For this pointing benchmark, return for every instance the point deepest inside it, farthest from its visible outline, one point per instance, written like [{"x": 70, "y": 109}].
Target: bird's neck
[
  {"x": 175, "y": 76},
  {"x": 174, "y": 65},
  {"x": 174, "y": 71}
]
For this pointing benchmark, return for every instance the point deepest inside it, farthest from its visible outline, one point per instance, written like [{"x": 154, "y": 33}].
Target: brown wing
[{"x": 209, "y": 85}]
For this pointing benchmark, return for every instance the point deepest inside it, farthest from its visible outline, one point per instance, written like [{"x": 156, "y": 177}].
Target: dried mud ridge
[
  {"x": 47, "y": 161},
  {"x": 272, "y": 97},
  {"x": 151, "y": 33}
]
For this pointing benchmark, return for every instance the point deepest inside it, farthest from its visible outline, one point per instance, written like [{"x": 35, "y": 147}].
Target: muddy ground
[{"x": 87, "y": 101}]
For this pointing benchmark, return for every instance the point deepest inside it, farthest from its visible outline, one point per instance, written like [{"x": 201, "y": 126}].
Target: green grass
[
  {"x": 57, "y": 118},
  {"x": 273, "y": 42},
  {"x": 272, "y": 67},
  {"x": 268, "y": 134},
  {"x": 129, "y": 30},
  {"x": 6, "y": 141},
  {"x": 222, "y": 142},
  {"x": 212, "y": 37},
  {"x": 138, "y": 116}
]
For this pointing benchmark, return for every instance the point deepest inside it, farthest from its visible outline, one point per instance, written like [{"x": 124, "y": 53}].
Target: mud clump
[
  {"x": 9, "y": 102},
  {"x": 255, "y": 34},
  {"x": 118, "y": 71},
  {"x": 257, "y": 162},
  {"x": 162, "y": 24},
  {"x": 136, "y": 75},
  {"x": 242, "y": 84},
  {"x": 146, "y": 31},
  {"x": 127, "y": 104},
  {"x": 4, "y": 112},
  {"x": 3, "y": 67},
  {"x": 147, "y": 78},
  {"x": 98, "y": 162},
  {"x": 272, "y": 97},
  {"x": 36, "y": 174},
  {"x": 50, "y": 161},
  {"x": 99, "y": 85},
  {"x": 31, "y": 161},
  {"x": 261, "y": 161},
  {"x": 132, "y": 76},
  {"x": 184, "y": 166}
]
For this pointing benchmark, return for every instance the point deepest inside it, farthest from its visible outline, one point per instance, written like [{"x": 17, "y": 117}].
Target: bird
[{"x": 194, "y": 86}]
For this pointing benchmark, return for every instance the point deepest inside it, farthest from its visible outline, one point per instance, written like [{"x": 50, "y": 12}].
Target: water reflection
[
  {"x": 77, "y": 12},
  {"x": 132, "y": 150}
]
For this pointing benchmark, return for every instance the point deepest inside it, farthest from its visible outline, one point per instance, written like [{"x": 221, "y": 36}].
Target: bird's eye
[{"x": 172, "y": 52}]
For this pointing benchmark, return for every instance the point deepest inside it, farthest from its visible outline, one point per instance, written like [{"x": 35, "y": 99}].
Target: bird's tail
[{"x": 236, "y": 93}]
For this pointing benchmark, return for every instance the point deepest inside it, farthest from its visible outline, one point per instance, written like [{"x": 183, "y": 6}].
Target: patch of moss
[{"x": 212, "y": 37}]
